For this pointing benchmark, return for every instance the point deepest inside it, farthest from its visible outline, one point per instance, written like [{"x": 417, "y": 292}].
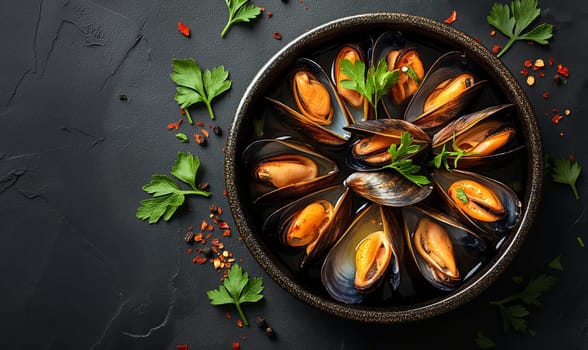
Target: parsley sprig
[
  {"x": 441, "y": 158},
  {"x": 167, "y": 195},
  {"x": 524, "y": 12},
  {"x": 195, "y": 86},
  {"x": 373, "y": 84},
  {"x": 567, "y": 172},
  {"x": 405, "y": 166},
  {"x": 513, "y": 310},
  {"x": 236, "y": 289},
  {"x": 239, "y": 11}
]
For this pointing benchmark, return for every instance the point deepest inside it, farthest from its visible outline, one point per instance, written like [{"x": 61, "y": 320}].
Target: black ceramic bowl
[{"x": 440, "y": 37}]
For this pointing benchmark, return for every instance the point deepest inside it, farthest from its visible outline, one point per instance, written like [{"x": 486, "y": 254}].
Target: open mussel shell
[
  {"x": 357, "y": 105},
  {"x": 374, "y": 137},
  {"x": 312, "y": 90},
  {"x": 374, "y": 241},
  {"x": 399, "y": 54},
  {"x": 486, "y": 137},
  {"x": 453, "y": 83},
  {"x": 445, "y": 251},
  {"x": 484, "y": 203},
  {"x": 281, "y": 169},
  {"x": 387, "y": 188},
  {"x": 311, "y": 224}
]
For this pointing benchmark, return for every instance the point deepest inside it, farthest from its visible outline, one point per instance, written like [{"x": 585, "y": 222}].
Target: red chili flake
[
  {"x": 270, "y": 14},
  {"x": 556, "y": 118},
  {"x": 277, "y": 36},
  {"x": 262, "y": 9},
  {"x": 190, "y": 250},
  {"x": 174, "y": 126},
  {"x": 496, "y": 49},
  {"x": 204, "y": 132},
  {"x": 184, "y": 29},
  {"x": 200, "y": 123},
  {"x": 227, "y": 233},
  {"x": 199, "y": 139},
  {"x": 223, "y": 225},
  {"x": 545, "y": 95},
  {"x": 550, "y": 60},
  {"x": 492, "y": 32},
  {"x": 452, "y": 18},
  {"x": 236, "y": 345},
  {"x": 203, "y": 225},
  {"x": 554, "y": 110},
  {"x": 182, "y": 346},
  {"x": 228, "y": 315},
  {"x": 528, "y": 63},
  {"x": 182, "y": 111},
  {"x": 198, "y": 237},
  {"x": 199, "y": 259},
  {"x": 219, "y": 210},
  {"x": 524, "y": 72},
  {"x": 563, "y": 70},
  {"x": 541, "y": 74},
  {"x": 240, "y": 324},
  {"x": 478, "y": 40}
]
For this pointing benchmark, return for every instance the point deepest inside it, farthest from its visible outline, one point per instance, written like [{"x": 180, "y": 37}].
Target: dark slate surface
[{"x": 81, "y": 272}]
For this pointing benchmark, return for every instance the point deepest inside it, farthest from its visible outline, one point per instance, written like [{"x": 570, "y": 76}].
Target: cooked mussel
[
  {"x": 312, "y": 98},
  {"x": 370, "y": 150},
  {"x": 311, "y": 224},
  {"x": 282, "y": 169},
  {"x": 412, "y": 72},
  {"x": 445, "y": 251},
  {"x": 484, "y": 137},
  {"x": 485, "y": 203},
  {"x": 447, "y": 88},
  {"x": 352, "y": 54},
  {"x": 314, "y": 107},
  {"x": 365, "y": 256}
]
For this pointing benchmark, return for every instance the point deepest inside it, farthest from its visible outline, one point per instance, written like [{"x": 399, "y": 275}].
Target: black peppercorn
[
  {"x": 217, "y": 130},
  {"x": 261, "y": 322},
  {"x": 207, "y": 252}
]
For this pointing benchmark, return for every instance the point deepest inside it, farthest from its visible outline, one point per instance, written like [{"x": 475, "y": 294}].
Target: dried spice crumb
[
  {"x": 492, "y": 32},
  {"x": 236, "y": 345},
  {"x": 184, "y": 29},
  {"x": 270, "y": 14},
  {"x": 204, "y": 132},
  {"x": 452, "y": 18},
  {"x": 496, "y": 49},
  {"x": 174, "y": 126},
  {"x": 524, "y": 72},
  {"x": 239, "y": 323},
  {"x": 545, "y": 95},
  {"x": 228, "y": 315},
  {"x": 528, "y": 63},
  {"x": 123, "y": 97},
  {"x": 200, "y": 123},
  {"x": 531, "y": 80},
  {"x": 556, "y": 118},
  {"x": 199, "y": 139},
  {"x": 563, "y": 70},
  {"x": 277, "y": 36},
  {"x": 217, "y": 130},
  {"x": 567, "y": 112},
  {"x": 199, "y": 260}
]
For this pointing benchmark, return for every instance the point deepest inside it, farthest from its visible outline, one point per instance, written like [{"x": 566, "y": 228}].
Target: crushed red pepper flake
[
  {"x": 240, "y": 323},
  {"x": 200, "y": 123},
  {"x": 184, "y": 29},
  {"x": 270, "y": 14},
  {"x": 226, "y": 233},
  {"x": 550, "y": 60},
  {"x": 452, "y": 18},
  {"x": 524, "y": 72},
  {"x": 496, "y": 49},
  {"x": 492, "y": 32},
  {"x": 528, "y": 63},
  {"x": 545, "y": 95},
  {"x": 228, "y": 315},
  {"x": 182, "y": 111},
  {"x": 204, "y": 132},
  {"x": 556, "y": 118},
  {"x": 277, "y": 36},
  {"x": 236, "y": 345},
  {"x": 174, "y": 126},
  {"x": 182, "y": 346},
  {"x": 563, "y": 70}
]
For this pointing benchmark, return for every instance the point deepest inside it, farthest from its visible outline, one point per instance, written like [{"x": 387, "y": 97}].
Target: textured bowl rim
[{"x": 434, "y": 31}]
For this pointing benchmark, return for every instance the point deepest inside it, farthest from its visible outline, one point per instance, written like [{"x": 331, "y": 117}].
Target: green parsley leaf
[
  {"x": 461, "y": 195},
  {"x": 514, "y": 314},
  {"x": 524, "y": 12},
  {"x": 567, "y": 172},
  {"x": 580, "y": 241},
  {"x": 167, "y": 195},
  {"x": 182, "y": 137},
  {"x": 373, "y": 84},
  {"x": 555, "y": 264},
  {"x": 457, "y": 153},
  {"x": 239, "y": 11},
  {"x": 483, "y": 342},
  {"x": 236, "y": 289},
  {"x": 405, "y": 166},
  {"x": 195, "y": 86}
]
